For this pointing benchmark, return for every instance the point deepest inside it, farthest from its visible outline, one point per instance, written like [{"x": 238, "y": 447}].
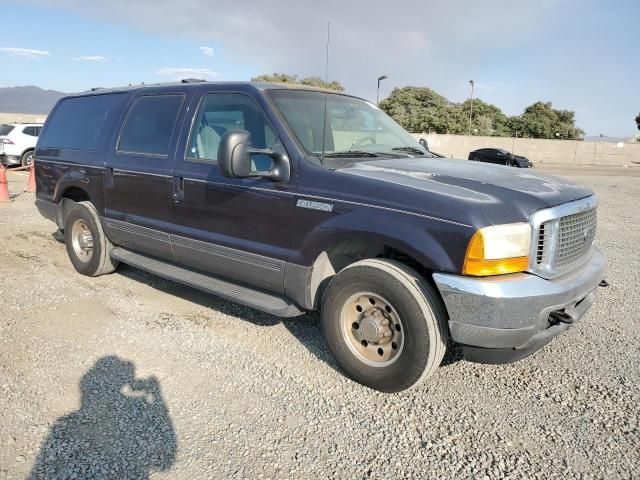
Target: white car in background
[{"x": 17, "y": 142}]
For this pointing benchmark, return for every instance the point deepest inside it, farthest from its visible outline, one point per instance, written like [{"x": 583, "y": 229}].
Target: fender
[
  {"x": 71, "y": 178},
  {"x": 434, "y": 244},
  {"x": 429, "y": 241}
]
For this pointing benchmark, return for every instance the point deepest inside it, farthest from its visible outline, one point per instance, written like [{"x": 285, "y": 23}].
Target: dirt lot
[{"x": 131, "y": 376}]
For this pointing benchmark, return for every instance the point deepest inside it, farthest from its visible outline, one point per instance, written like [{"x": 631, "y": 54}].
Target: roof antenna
[
  {"x": 326, "y": 67},
  {"x": 326, "y": 82}
]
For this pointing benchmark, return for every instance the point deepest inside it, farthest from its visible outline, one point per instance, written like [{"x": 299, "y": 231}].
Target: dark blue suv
[{"x": 291, "y": 199}]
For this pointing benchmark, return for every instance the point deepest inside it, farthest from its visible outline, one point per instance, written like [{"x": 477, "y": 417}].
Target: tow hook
[
  {"x": 561, "y": 317},
  {"x": 603, "y": 283}
]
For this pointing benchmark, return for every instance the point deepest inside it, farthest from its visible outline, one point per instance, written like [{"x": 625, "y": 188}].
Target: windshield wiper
[
  {"x": 409, "y": 149},
  {"x": 351, "y": 153}
]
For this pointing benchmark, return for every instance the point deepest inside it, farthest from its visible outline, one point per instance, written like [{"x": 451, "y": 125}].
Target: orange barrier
[
  {"x": 31, "y": 184},
  {"x": 4, "y": 185}
]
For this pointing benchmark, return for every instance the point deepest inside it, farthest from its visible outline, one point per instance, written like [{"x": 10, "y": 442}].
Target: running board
[{"x": 258, "y": 299}]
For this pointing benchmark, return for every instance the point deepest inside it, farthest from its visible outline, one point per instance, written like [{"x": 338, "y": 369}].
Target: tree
[
  {"x": 638, "y": 121},
  {"x": 486, "y": 118},
  {"x": 318, "y": 82},
  {"x": 276, "y": 78},
  {"x": 420, "y": 109},
  {"x": 541, "y": 120},
  {"x": 293, "y": 79}
]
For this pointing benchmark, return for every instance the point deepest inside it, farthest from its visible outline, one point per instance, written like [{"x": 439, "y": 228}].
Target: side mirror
[
  {"x": 234, "y": 158},
  {"x": 424, "y": 143}
]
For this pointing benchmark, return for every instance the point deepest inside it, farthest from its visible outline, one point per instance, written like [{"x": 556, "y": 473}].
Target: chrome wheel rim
[
  {"x": 82, "y": 240},
  {"x": 372, "y": 329}
]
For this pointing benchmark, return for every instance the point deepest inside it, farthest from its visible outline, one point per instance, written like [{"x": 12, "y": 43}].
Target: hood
[{"x": 460, "y": 189}]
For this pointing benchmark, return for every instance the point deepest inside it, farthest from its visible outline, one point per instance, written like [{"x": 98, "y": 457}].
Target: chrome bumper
[{"x": 510, "y": 313}]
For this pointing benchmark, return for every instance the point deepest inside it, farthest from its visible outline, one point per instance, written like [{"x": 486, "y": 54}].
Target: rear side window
[
  {"x": 149, "y": 125},
  {"x": 5, "y": 129},
  {"x": 31, "y": 131},
  {"x": 80, "y": 123}
]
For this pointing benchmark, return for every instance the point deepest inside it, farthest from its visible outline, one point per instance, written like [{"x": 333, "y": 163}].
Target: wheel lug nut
[
  {"x": 385, "y": 322},
  {"x": 387, "y": 333}
]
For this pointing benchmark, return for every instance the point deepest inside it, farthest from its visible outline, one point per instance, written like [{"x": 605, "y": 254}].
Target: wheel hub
[
  {"x": 85, "y": 239},
  {"x": 372, "y": 329},
  {"x": 375, "y": 326},
  {"x": 82, "y": 240}
]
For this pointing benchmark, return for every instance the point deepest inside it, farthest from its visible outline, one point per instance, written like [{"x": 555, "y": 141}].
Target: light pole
[
  {"x": 380, "y": 78},
  {"x": 471, "y": 109}
]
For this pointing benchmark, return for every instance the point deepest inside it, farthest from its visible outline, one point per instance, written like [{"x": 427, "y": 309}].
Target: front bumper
[{"x": 504, "y": 318}]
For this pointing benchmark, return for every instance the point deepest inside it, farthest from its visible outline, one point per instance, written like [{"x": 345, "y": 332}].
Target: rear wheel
[
  {"x": 87, "y": 246},
  {"x": 384, "y": 325},
  {"x": 27, "y": 158}
]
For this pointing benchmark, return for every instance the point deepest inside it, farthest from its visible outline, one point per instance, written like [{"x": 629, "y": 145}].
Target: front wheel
[{"x": 384, "y": 324}]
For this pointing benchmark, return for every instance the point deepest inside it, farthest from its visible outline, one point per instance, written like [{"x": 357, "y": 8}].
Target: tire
[
  {"x": 27, "y": 158},
  {"x": 407, "y": 360},
  {"x": 509, "y": 163},
  {"x": 81, "y": 229}
]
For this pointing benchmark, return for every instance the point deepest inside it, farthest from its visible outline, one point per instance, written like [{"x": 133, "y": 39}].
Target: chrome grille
[
  {"x": 575, "y": 237},
  {"x": 562, "y": 237}
]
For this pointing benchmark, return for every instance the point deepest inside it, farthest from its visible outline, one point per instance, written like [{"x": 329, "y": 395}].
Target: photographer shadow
[{"x": 122, "y": 429}]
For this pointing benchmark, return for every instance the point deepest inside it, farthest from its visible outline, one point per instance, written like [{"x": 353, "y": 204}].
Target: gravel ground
[{"x": 131, "y": 376}]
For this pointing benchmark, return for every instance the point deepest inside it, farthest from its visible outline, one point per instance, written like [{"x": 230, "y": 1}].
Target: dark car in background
[{"x": 500, "y": 156}]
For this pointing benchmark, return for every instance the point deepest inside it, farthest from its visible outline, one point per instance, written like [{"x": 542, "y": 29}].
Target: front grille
[
  {"x": 575, "y": 237},
  {"x": 563, "y": 237}
]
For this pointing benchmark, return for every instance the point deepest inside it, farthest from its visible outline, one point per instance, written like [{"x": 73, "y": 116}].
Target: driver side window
[{"x": 220, "y": 112}]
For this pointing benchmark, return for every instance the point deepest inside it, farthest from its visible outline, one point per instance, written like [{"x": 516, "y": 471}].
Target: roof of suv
[
  {"x": 22, "y": 124},
  {"x": 196, "y": 83}
]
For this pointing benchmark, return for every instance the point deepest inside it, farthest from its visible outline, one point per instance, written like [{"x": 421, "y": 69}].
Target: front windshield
[{"x": 354, "y": 127}]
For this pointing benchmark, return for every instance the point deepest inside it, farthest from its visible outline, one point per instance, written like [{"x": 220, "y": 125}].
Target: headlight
[{"x": 498, "y": 249}]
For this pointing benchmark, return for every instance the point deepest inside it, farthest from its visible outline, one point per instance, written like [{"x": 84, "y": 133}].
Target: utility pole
[{"x": 471, "y": 110}]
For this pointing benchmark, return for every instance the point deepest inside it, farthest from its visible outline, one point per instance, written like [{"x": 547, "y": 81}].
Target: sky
[{"x": 580, "y": 55}]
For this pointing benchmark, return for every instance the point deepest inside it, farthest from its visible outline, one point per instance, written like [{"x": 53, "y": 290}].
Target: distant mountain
[{"x": 28, "y": 99}]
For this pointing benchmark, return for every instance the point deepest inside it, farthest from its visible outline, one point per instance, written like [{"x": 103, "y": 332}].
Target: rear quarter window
[
  {"x": 81, "y": 123},
  {"x": 5, "y": 129}
]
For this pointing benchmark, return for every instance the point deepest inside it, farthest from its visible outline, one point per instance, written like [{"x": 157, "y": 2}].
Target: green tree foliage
[
  {"x": 486, "y": 119},
  {"x": 638, "y": 121},
  {"x": 541, "y": 120},
  {"x": 276, "y": 78},
  {"x": 293, "y": 79},
  {"x": 420, "y": 109}
]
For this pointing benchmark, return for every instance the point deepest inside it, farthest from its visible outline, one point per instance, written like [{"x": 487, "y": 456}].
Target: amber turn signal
[{"x": 490, "y": 243}]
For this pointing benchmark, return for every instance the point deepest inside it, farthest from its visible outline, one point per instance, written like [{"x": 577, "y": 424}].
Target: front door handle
[{"x": 177, "y": 189}]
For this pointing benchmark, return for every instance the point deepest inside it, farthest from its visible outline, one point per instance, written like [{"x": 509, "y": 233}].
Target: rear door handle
[
  {"x": 177, "y": 189},
  {"x": 108, "y": 177}
]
